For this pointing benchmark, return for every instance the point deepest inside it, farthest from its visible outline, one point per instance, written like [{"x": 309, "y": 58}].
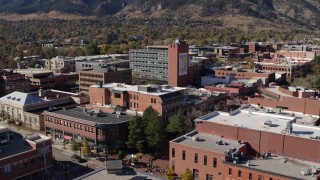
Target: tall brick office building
[{"x": 167, "y": 64}]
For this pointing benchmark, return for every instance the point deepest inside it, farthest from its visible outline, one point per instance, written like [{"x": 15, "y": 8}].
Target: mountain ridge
[{"x": 301, "y": 12}]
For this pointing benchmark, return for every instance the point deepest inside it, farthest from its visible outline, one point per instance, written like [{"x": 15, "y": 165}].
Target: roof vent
[
  {"x": 18, "y": 99},
  {"x": 8, "y": 97},
  {"x": 13, "y": 98},
  {"x": 195, "y": 138}
]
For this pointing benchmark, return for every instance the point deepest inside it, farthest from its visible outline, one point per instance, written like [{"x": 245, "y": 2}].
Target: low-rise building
[
  {"x": 50, "y": 80},
  {"x": 11, "y": 81},
  {"x": 97, "y": 127},
  {"x": 166, "y": 100},
  {"x": 103, "y": 75},
  {"x": 25, "y": 158},
  {"x": 61, "y": 64},
  {"x": 248, "y": 143},
  {"x": 26, "y": 108},
  {"x": 241, "y": 74},
  {"x": 303, "y": 101},
  {"x": 94, "y": 65}
]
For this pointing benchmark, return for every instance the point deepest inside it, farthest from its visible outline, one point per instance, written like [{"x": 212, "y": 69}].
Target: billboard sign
[{"x": 183, "y": 64}]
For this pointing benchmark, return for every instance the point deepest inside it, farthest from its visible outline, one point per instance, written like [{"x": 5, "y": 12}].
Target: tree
[
  {"x": 170, "y": 174},
  {"x": 187, "y": 175},
  {"x": 121, "y": 155},
  {"x": 75, "y": 146},
  {"x": 178, "y": 124},
  {"x": 136, "y": 137},
  {"x": 92, "y": 49},
  {"x": 154, "y": 130},
  {"x": 86, "y": 148}
]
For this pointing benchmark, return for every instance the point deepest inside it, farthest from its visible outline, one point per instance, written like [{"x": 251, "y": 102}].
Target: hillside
[{"x": 281, "y": 12}]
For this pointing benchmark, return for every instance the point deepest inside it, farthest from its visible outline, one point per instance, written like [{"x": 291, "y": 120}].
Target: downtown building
[
  {"x": 250, "y": 143},
  {"x": 25, "y": 158},
  {"x": 165, "y": 64}
]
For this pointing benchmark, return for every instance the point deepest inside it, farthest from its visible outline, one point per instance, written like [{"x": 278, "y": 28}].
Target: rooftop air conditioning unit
[{"x": 195, "y": 138}]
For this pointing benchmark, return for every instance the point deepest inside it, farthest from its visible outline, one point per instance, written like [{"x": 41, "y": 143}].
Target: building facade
[
  {"x": 103, "y": 75},
  {"x": 61, "y": 64},
  {"x": 29, "y": 158},
  {"x": 78, "y": 123},
  {"x": 10, "y": 82},
  {"x": 247, "y": 144}
]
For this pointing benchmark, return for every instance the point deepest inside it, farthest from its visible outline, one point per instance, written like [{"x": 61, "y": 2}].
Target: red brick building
[
  {"x": 279, "y": 97},
  {"x": 247, "y": 144},
  {"x": 245, "y": 74},
  {"x": 78, "y": 123},
  {"x": 29, "y": 158},
  {"x": 178, "y": 64},
  {"x": 10, "y": 82}
]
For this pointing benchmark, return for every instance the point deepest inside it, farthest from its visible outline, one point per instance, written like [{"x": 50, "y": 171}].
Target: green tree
[
  {"x": 179, "y": 124},
  {"x": 169, "y": 174},
  {"x": 121, "y": 155},
  {"x": 86, "y": 148},
  {"x": 154, "y": 130},
  {"x": 75, "y": 146},
  {"x": 92, "y": 49},
  {"x": 187, "y": 175},
  {"x": 136, "y": 137}
]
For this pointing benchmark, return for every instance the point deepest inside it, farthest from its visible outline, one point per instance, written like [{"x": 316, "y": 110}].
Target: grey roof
[
  {"x": 20, "y": 98},
  {"x": 103, "y": 119},
  {"x": 207, "y": 142},
  {"x": 16, "y": 147}
]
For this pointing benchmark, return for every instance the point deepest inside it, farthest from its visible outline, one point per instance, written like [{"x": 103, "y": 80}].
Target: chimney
[{"x": 41, "y": 92}]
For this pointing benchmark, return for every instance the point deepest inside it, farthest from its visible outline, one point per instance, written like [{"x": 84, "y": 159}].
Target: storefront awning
[{"x": 68, "y": 137}]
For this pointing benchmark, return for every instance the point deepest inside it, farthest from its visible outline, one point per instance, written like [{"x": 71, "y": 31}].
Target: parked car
[{"x": 75, "y": 158}]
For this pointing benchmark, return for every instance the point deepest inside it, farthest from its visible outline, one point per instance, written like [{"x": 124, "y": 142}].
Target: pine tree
[
  {"x": 136, "y": 137},
  {"x": 179, "y": 124},
  {"x": 154, "y": 130}
]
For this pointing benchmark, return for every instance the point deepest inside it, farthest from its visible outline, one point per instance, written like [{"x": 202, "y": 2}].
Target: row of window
[
  {"x": 260, "y": 177},
  {"x": 196, "y": 159},
  {"x": 134, "y": 96},
  {"x": 69, "y": 124},
  {"x": 135, "y": 105}
]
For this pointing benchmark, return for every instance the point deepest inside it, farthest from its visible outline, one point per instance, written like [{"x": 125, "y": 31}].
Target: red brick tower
[{"x": 178, "y": 64}]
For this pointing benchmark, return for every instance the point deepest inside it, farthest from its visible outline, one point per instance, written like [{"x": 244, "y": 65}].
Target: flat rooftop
[
  {"x": 103, "y": 118},
  {"x": 207, "y": 142},
  {"x": 135, "y": 88},
  {"x": 253, "y": 118},
  {"x": 275, "y": 89},
  {"x": 18, "y": 146},
  {"x": 287, "y": 167}
]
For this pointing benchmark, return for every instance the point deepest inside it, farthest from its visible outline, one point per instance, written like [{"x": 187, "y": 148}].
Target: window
[
  {"x": 151, "y": 100},
  {"x": 117, "y": 95},
  {"x": 230, "y": 171},
  {"x": 154, "y": 101},
  {"x": 173, "y": 152},
  {"x": 205, "y": 160},
  {"x": 183, "y": 155},
  {"x": 209, "y": 177},
  {"x": 134, "y": 96},
  {"x": 196, "y": 158},
  {"x": 270, "y": 178},
  {"x": 214, "y": 162},
  {"x": 260, "y": 177},
  {"x": 239, "y": 173},
  {"x": 137, "y": 105},
  {"x": 250, "y": 176},
  {"x": 137, "y": 97},
  {"x": 195, "y": 174}
]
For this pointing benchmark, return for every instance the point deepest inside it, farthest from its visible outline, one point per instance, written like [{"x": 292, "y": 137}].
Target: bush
[{"x": 121, "y": 155}]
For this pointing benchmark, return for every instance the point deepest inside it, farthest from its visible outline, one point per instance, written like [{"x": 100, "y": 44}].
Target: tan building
[
  {"x": 103, "y": 75},
  {"x": 26, "y": 108},
  {"x": 61, "y": 64}
]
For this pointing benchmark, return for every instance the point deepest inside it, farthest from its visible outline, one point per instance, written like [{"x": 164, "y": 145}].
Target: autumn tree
[{"x": 86, "y": 148}]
